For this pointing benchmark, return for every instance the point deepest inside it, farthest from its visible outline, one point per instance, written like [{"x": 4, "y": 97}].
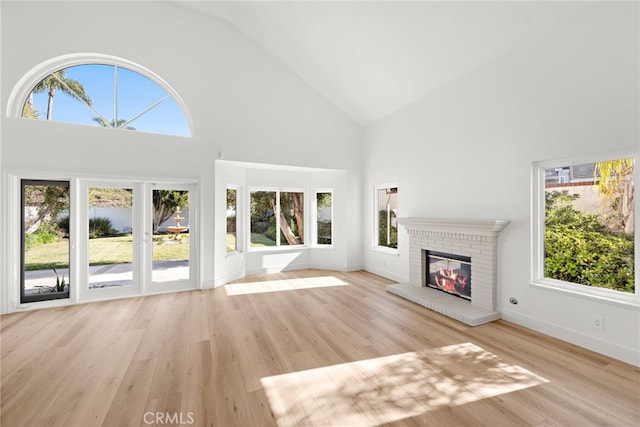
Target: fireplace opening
[{"x": 448, "y": 273}]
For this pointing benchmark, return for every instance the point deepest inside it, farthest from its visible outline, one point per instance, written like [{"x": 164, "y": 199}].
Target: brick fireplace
[{"x": 476, "y": 240}]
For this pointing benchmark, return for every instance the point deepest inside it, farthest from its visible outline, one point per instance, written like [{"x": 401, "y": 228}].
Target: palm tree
[
  {"x": 112, "y": 124},
  {"x": 59, "y": 81}
]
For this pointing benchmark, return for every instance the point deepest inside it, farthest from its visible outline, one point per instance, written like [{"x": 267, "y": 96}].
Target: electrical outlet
[{"x": 598, "y": 322}]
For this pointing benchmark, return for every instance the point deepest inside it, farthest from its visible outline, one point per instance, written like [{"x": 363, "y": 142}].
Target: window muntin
[
  {"x": 586, "y": 238},
  {"x": 386, "y": 224},
  {"x": 232, "y": 219},
  {"x": 324, "y": 218},
  {"x": 276, "y": 218},
  {"x": 106, "y": 95}
]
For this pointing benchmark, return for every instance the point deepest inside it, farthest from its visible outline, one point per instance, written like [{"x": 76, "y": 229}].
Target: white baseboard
[
  {"x": 616, "y": 351},
  {"x": 386, "y": 274}
]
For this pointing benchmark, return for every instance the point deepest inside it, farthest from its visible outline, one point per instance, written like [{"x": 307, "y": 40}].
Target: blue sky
[{"x": 135, "y": 94}]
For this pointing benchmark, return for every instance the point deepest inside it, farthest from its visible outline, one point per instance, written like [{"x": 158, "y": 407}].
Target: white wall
[
  {"x": 467, "y": 151},
  {"x": 244, "y": 105}
]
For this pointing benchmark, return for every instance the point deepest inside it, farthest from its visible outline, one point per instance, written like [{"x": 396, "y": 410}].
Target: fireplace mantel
[
  {"x": 478, "y": 227},
  {"x": 474, "y": 238}
]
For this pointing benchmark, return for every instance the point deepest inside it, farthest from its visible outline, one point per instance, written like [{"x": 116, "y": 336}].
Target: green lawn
[
  {"x": 107, "y": 250},
  {"x": 231, "y": 242}
]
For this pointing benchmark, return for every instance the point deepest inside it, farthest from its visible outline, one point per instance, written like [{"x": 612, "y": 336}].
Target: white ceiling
[{"x": 371, "y": 58}]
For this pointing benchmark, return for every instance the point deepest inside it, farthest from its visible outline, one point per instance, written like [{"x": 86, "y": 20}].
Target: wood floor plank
[{"x": 309, "y": 347}]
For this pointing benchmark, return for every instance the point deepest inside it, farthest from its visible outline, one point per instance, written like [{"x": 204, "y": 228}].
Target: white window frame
[
  {"x": 376, "y": 219},
  {"x": 538, "y": 234},
  {"x": 29, "y": 80},
  {"x": 278, "y": 246},
  {"x": 314, "y": 219}
]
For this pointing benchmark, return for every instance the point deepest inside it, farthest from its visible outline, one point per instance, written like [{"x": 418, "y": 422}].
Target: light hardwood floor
[{"x": 310, "y": 347}]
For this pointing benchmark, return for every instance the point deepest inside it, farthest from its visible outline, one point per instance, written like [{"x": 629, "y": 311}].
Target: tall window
[
  {"x": 232, "y": 220},
  {"x": 586, "y": 214},
  {"x": 277, "y": 218},
  {"x": 324, "y": 218},
  {"x": 107, "y": 96},
  {"x": 386, "y": 217}
]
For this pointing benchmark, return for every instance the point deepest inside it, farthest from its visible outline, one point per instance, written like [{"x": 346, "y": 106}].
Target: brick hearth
[{"x": 477, "y": 239}]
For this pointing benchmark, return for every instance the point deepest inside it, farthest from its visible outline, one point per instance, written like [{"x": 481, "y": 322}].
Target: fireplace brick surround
[{"x": 477, "y": 239}]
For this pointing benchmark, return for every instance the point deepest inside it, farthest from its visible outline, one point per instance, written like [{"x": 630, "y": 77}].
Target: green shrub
[
  {"x": 101, "y": 227},
  {"x": 259, "y": 226},
  {"x": 63, "y": 225},
  {"x": 382, "y": 230},
  {"x": 271, "y": 233},
  {"x": 579, "y": 249},
  {"x": 47, "y": 238},
  {"x": 38, "y": 238},
  {"x": 44, "y": 234},
  {"x": 590, "y": 258}
]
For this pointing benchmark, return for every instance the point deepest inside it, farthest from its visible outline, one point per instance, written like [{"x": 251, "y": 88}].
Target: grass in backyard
[
  {"x": 232, "y": 245},
  {"x": 165, "y": 248},
  {"x": 107, "y": 250}
]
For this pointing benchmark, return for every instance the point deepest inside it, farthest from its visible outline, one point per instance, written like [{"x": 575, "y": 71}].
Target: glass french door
[
  {"x": 45, "y": 240},
  {"x": 111, "y": 256},
  {"x": 88, "y": 239},
  {"x": 172, "y": 238}
]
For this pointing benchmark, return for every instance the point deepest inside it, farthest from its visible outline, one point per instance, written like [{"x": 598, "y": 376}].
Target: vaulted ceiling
[{"x": 371, "y": 58}]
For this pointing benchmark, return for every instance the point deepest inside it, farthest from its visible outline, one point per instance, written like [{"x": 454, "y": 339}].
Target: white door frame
[{"x": 82, "y": 242}]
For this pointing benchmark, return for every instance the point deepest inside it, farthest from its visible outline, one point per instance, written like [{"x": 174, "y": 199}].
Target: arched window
[{"x": 101, "y": 91}]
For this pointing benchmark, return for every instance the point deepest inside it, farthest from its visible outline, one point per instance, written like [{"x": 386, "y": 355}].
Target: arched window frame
[{"x": 30, "y": 79}]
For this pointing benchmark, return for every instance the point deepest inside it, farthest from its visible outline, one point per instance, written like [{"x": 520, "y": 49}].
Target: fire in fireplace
[{"x": 449, "y": 273}]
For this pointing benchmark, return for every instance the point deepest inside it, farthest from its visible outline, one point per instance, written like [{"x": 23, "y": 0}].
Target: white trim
[
  {"x": 538, "y": 230},
  {"x": 617, "y": 351},
  {"x": 604, "y": 295},
  {"x": 278, "y": 246},
  {"x": 23, "y": 87},
  {"x": 376, "y": 220},
  {"x": 478, "y": 227},
  {"x": 386, "y": 250}
]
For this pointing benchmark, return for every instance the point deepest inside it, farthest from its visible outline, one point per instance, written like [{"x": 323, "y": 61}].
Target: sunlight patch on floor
[
  {"x": 386, "y": 389},
  {"x": 283, "y": 285}
]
